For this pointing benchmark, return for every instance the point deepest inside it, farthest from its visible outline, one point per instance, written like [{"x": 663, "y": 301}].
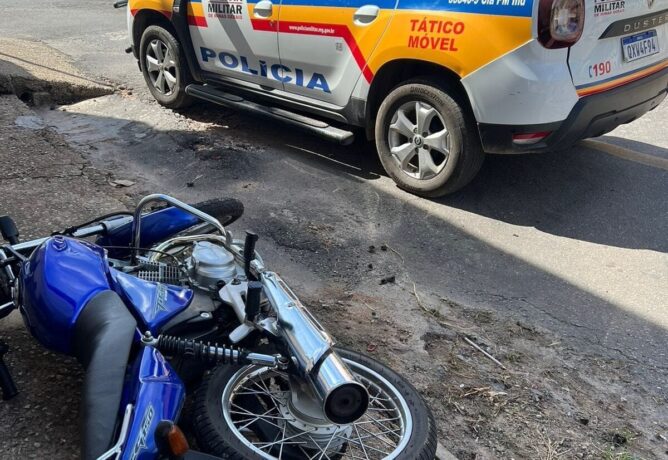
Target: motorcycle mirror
[{"x": 9, "y": 230}]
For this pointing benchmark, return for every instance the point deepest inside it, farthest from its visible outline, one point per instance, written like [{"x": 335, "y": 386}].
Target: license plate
[{"x": 640, "y": 45}]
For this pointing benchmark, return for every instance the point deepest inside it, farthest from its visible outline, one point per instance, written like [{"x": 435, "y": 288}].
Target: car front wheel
[
  {"x": 425, "y": 140},
  {"x": 164, "y": 67}
]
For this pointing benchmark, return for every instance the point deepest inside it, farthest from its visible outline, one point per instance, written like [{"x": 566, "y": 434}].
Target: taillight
[
  {"x": 530, "y": 138},
  {"x": 560, "y": 22}
]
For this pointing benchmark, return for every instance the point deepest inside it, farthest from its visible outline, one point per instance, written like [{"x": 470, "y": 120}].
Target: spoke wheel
[
  {"x": 419, "y": 140},
  {"x": 258, "y": 416},
  {"x": 257, "y": 402}
]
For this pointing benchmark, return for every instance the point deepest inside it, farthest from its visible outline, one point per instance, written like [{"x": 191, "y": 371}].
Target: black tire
[
  {"x": 214, "y": 436},
  {"x": 226, "y": 210},
  {"x": 176, "y": 97},
  {"x": 466, "y": 154},
  {"x": 5, "y": 290}
]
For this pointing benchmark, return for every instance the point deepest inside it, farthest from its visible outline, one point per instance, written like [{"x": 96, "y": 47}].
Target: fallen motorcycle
[{"x": 162, "y": 304}]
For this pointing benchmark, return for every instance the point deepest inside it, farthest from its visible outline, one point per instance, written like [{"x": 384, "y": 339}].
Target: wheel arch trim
[
  {"x": 165, "y": 13},
  {"x": 403, "y": 70}
]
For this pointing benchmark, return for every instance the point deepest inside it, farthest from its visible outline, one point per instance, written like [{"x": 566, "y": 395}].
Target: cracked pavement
[{"x": 44, "y": 183}]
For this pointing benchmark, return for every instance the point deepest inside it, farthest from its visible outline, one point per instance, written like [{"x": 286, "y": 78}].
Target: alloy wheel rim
[
  {"x": 382, "y": 433},
  {"x": 161, "y": 66},
  {"x": 419, "y": 140}
]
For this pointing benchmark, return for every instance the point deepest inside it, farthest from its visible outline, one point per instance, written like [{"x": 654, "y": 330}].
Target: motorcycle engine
[{"x": 210, "y": 263}]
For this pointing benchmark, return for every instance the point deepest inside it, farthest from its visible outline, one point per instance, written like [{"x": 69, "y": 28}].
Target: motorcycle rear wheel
[
  {"x": 226, "y": 210},
  {"x": 242, "y": 413},
  {"x": 5, "y": 290}
]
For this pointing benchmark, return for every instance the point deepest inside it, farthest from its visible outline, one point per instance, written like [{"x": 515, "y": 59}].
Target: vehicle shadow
[
  {"x": 579, "y": 193},
  {"x": 292, "y": 180},
  {"x": 358, "y": 159}
]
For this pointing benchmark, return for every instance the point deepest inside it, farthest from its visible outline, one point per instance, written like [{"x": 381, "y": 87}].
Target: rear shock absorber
[{"x": 209, "y": 353}]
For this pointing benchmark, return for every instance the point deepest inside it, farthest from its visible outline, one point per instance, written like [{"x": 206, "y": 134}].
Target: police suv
[{"x": 435, "y": 83}]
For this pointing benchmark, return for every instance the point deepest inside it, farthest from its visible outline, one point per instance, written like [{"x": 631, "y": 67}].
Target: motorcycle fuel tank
[{"x": 56, "y": 283}]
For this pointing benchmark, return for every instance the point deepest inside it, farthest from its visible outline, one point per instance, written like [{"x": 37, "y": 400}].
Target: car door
[
  {"x": 227, "y": 43},
  {"x": 324, "y": 44}
]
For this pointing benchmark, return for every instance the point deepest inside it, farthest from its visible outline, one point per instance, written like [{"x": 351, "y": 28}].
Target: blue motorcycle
[{"x": 163, "y": 305}]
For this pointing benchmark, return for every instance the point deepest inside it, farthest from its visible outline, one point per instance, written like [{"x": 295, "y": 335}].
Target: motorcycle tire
[
  {"x": 226, "y": 210},
  {"x": 5, "y": 290},
  {"x": 219, "y": 434}
]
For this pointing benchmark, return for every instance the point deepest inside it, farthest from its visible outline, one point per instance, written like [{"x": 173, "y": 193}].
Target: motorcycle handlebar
[{"x": 81, "y": 233}]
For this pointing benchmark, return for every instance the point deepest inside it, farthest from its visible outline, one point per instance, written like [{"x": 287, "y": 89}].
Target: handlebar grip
[
  {"x": 253, "y": 298},
  {"x": 8, "y": 230},
  {"x": 249, "y": 251}
]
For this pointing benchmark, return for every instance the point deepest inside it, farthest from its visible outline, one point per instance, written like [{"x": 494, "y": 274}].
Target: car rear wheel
[
  {"x": 164, "y": 67},
  {"x": 426, "y": 141}
]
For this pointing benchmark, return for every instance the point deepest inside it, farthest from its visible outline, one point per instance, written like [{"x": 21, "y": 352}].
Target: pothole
[
  {"x": 40, "y": 75},
  {"x": 40, "y": 93}
]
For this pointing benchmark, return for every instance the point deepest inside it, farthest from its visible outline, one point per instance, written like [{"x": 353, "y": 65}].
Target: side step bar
[{"x": 312, "y": 125}]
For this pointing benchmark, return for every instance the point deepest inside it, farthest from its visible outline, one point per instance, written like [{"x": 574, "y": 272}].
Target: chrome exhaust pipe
[{"x": 344, "y": 399}]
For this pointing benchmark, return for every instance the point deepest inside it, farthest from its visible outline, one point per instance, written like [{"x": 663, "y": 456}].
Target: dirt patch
[
  {"x": 43, "y": 420},
  {"x": 548, "y": 400}
]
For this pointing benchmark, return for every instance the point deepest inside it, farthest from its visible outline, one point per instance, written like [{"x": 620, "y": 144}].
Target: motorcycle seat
[{"x": 103, "y": 336}]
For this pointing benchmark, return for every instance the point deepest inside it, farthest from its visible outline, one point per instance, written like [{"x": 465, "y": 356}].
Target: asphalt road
[{"x": 574, "y": 241}]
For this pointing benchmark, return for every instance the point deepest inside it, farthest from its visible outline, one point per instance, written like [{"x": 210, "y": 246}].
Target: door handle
[
  {"x": 366, "y": 14},
  {"x": 263, "y": 9}
]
